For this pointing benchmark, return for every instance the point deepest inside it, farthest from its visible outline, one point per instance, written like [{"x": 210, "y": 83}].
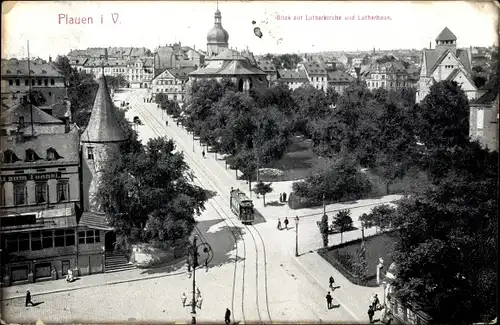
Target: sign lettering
[{"x": 28, "y": 177}]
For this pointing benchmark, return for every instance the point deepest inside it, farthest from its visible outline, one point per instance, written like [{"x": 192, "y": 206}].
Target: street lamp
[
  {"x": 193, "y": 255},
  {"x": 297, "y": 236},
  {"x": 324, "y": 206}
]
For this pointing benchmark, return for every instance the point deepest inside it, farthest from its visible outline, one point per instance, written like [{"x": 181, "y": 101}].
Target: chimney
[
  {"x": 66, "y": 125},
  {"x": 50, "y": 59},
  {"x": 106, "y": 54},
  {"x": 430, "y": 45}
]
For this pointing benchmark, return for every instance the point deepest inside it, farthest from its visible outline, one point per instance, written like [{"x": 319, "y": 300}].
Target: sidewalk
[
  {"x": 88, "y": 281},
  {"x": 354, "y": 298}
]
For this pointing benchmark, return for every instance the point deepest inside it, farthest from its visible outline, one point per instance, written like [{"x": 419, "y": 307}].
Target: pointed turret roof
[
  {"x": 103, "y": 125},
  {"x": 446, "y": 35}
]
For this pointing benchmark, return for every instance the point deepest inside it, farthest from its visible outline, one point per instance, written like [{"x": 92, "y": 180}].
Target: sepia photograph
[{"x": 249, "y": 162}]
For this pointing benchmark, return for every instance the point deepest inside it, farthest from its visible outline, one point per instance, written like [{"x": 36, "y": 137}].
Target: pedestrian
[
  {"x": 166, "y": 123},
  {"x": 281, "y": 197},
  {"x": 375, "y": 302},
  {"x": 28, "y": 299},
  {"x": 203, "y": 153},
  {"x": 329, "y": 300},
  {"x": 227, "y": 316},
  {"x": 332, "y": 282},
  {"x": 200, "y": 300},
  {"x": 279, "y": 224},
  {"x": 198, "y": 293},
  {"x": 183, "y": 298},
  {"x": 284, "y": 196},
  {"x": 286, "y": 223},
  {"x": 371, "y": 312},
  {"x": 177, "y": 123}
]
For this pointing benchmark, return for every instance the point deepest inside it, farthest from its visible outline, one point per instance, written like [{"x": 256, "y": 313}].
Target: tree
[
  {"x": 262, "y": 189},
  {"x": 116, "y": 82},
  {"x": 323, "y": 229},
  {"x": 82, "y": 90},
  {"x": 380, "y": 216},
  {"x": 360, "y": 265},
  {"x": 342, "y": 222},
  {"x": 332, "y": 96},
  {"x": 148, "y": 194},
  {"x": 37, "y": 98}
]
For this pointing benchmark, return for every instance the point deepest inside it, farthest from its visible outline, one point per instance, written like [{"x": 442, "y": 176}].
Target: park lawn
[
  {"x": 296, "y": 163},
  {"x": 377, "y": 246}
]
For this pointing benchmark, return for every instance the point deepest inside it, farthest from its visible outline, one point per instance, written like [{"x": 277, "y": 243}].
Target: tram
[{"x": 241, "y": 206}]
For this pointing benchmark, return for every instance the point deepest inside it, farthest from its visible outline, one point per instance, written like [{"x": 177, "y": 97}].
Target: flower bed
[{"x": 342, "y": 256}]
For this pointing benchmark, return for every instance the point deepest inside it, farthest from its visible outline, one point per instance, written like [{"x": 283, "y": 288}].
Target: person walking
[
  {"x": 286, "y": 223},
  {"x": 284, "y": 196},
  {"x": 329, "y": 300},
  {"x": 166, "y": 123},
  {"x": 371, "y": 312},
  {"x": 203, "y": 154},
  {"x": 198, "y": 293},
  {"x": 183, "y": 298},
  {"x": 281, "y": 197},
  {"x": 279, "y": 224},
  {"x": 227, "y": 316},
  {"x": 332, "y": 282},
  {"x": 199, "y": 301},
  {"x": 28, "y": 299},
  {"x": 375, "y": 302}
]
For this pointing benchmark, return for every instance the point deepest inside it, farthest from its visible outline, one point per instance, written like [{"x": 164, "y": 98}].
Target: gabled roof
[
  {"x": 266, "y": 66},
  {"x": 181, "y": 73},
  {"x": 314, "y": 68},
  {"x": 228, "y": 54},
  {"x": 339, "y": 77},
  {"x": 103, "y": 125},
  {"x": 446, "y": 35},
  {"x": 463, "y": 56},
  {"x": 65, "y": 144},
  {"x": 228, "y": 68},
  {"x": 12, "y": 115},
  {"x": 491, "y": 88},
  {"x": 292, "y": 75},
  {"x": 17, "y": 68},
  {"x": 453, "y": 74}
]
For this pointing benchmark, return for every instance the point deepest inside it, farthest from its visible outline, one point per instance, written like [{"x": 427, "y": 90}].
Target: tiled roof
[
  {"x": 453, "y": 74},
  {"x": 65, "y": 144},
  {"x": 103, "y": 125},
  {"x": 266, "y": 66},
  {"x": 228, "y": 54},
  {"x": 14, "y": 67},
  {"x": 339, "y": 76},
  {"x": 463, "y": 56},
  {"x": 12, "y": 115},
  {"x": 292, "y": 75},
  {"x": 158, "y": 72},
  {"x": 107, "y": 63},
  {"x": 446, "y": 35},
  {"x": 181, "y": 72},
  {"x": 228, "y": 68},
  {"x": 94, "y": 220},
  {"x": 60, "y": 109},
  {"x": 491, "y": 94},
  {"x": 314, "y": 68},
  {"x": 431, "y": 57}
]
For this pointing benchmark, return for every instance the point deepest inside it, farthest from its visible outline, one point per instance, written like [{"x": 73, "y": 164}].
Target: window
[
  {"x": 24, "y": 242},
  {"x": 70, "y": 237},
  {"x": 51, "y": 154},
  {"x": 26, "y": 82},
  {"x": 90, "y": 153},
  {"x": 18, "y": 82},
  {"x": 89, "y": 237},
  {"x": 30, "y": 155},
  {"x": 20, "y": 193},
  {"x": 41, "y": 192},
  {"x": 36, "y": 240},
  {"x": 11, "y": 82},
  {"x": 21, "y": 122},
  {"x": 59, "y": 236},
  {"x": 47, "y": 239},
  {"x": 12, "y": 243},
  {"x": 32, "y": 82},
  {"x": 39, "y": 82},
  {"x": 9, "y": 157},
  {"x": 2, "y": 195},
  {"x": 62, "y": 191}
]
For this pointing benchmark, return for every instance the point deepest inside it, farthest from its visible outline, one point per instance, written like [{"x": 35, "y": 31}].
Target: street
[{"x": 254, "y": 272}]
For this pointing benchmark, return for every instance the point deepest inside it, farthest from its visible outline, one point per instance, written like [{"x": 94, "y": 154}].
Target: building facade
[
  {"x": 292, "y": 78},
  {"x": 140, "y": 72},
  {"x": 171, "y": 82},
  {"x": 388, "y": 75},
  {"x": 484, "y": 116},
  {"x": 42, "y": 76},
  {"x": 446, "y": 62},
  {"x": 40, "y": 196},
  {"x": 176, "y": 56},
  {"x": 316, "y": 74}
]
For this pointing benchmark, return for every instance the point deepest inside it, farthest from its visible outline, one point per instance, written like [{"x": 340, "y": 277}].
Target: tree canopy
[{"x": 149, "y": 195}]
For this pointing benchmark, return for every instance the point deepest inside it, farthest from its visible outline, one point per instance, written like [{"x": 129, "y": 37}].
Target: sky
[{"x": 407, "y": 24}]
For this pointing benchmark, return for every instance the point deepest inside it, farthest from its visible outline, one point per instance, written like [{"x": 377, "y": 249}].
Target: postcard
[{"x": 249, "y": 161}]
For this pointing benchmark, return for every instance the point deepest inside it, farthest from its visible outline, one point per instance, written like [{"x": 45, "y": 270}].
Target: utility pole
[
  {"x": 195, "y": 264},
  {"x": 297, "y": 236},
  {"x": 29, "y": 92},
  {"x": 324, "y": 206}
]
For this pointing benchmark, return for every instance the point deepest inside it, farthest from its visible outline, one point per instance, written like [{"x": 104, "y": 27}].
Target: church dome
[{"x": 217, "y": 34}]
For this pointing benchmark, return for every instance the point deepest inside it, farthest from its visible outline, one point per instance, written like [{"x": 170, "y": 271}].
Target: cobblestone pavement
[{"x": 285, "y": 289}]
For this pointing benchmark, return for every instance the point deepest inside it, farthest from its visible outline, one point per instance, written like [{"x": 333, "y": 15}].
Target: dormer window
[
  {"x": 9, "y": 157},
  {"x": 9, "y": 72},
  {"x": 90, "y": 153},
  {"x": 31, "y": 156},
  {"x": 52, "y": 154},
  {"x": 44, "y": 72},
  {"x": 21, "y": 122},
  {"x": 19, "y": 71}
]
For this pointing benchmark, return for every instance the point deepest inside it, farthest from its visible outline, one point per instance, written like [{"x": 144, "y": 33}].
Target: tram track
[{"x": 141, "y": 110}]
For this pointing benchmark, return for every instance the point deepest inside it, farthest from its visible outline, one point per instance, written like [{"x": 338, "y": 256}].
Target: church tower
[
  {"x": 102, "y": 136},
  {"x": 446, "y": 40},
  {"x": 217, "y": 37}
]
